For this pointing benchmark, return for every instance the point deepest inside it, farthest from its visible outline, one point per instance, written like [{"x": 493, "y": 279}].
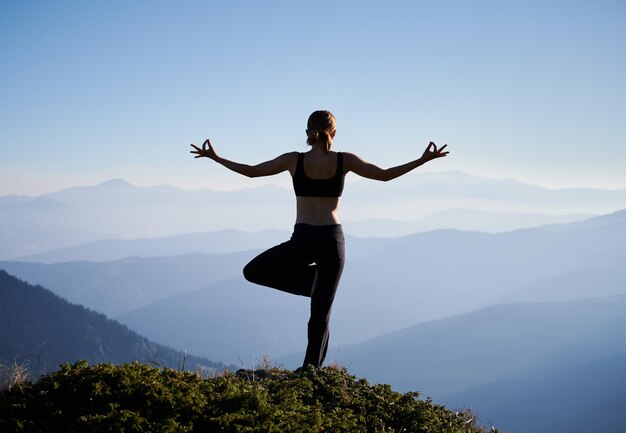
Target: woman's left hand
[{"x": 206, "y": 151}]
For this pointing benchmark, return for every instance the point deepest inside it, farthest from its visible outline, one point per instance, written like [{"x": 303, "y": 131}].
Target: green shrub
[{"x": 140, "y": 398}]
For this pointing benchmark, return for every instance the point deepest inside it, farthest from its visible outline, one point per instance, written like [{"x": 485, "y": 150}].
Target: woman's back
[
  {"x": 318, "y": 184},
  {"x": 318, "y": 165}
]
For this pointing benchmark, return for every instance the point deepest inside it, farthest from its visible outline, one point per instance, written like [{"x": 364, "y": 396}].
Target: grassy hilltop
[{"x": 140, "y": 398}]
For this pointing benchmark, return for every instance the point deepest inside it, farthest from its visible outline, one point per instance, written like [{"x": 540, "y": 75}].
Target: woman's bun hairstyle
[{"x": 320, "y": 126}]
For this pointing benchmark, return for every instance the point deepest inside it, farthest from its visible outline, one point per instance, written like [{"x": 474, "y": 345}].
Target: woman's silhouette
[{"x": 311, "y": 262}]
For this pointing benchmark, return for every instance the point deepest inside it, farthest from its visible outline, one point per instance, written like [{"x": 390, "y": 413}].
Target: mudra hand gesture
[
  {"x": 429, "y": 154},
  {"x": 206, "y": 151}
]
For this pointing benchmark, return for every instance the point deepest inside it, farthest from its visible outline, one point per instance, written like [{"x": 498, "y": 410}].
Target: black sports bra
[{"x": 304, "y": 186}]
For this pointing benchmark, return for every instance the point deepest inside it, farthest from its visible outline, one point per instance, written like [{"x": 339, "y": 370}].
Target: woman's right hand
[
  {"x": 433, "y": 152},
  {"x": 206, "y": 151}
]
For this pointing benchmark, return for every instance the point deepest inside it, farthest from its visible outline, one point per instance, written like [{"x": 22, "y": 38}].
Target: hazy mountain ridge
[
  {"x": 572, "y": 286},
  {"x": 502, "y": 195},
  {"x": 592, "y": 394},
  {"x": 232, "y": 320},
  {"x": 230, "y": 240},
  {"x": 42, "y": 330},
  {"x": 462, "y": 270},
  {"x": 495, "y": 360},
  {"x": 122, "y": 285},
  {"x": 459, "y": 219},
  {"x": 617, "y": 217},
  {"x": 117, "y": 209},
  {"x": 218, "y": 242},
  {"x": 32, "y": 225}
]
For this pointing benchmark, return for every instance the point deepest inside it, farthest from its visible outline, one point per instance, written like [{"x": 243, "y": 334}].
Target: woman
[{"x": 311, "y": 262}]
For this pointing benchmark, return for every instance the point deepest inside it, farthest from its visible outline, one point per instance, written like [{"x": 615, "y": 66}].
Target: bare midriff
[{"x": 317, "y": 211}]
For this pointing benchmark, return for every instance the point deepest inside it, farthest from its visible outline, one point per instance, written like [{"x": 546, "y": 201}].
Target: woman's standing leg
[{"x": 330, "y": 262}]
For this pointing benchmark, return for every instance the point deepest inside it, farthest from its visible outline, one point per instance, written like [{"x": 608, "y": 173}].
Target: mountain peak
[{"x": 115, "y": 183}]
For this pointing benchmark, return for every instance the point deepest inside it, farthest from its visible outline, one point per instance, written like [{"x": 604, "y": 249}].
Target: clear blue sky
[{"x": 94, "y": 90}]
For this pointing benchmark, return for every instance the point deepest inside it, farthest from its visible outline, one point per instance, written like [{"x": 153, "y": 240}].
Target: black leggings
[{"x": 309, "y": 264}]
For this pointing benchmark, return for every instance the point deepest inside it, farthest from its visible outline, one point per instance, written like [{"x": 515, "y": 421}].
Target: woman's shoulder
[
  {"x": 349, "y": 156},
  {"x": 352, "y": 162},
  {"x": 290, "y": 155},
  {"x": 290, "y": 161}
]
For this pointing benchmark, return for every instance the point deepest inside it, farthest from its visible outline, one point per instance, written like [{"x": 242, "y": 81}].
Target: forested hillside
[{"x": 42, "y": 330}]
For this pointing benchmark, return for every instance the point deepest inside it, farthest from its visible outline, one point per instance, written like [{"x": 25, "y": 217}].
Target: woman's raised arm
[
  {"x": 284, "y": 162},
  {"x": 365, "y": 169}
]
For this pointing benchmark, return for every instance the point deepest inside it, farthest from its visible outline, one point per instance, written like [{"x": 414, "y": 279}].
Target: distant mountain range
[
  {"x": 229, "y": 240},
  {"x": 218, "y": 242},
  {"x": 41, "y": 330},
  {"x": 119, "y": 210},
  {"x": 572, "y": 286},
  {"x": 388, "y": 284},
  {"x": 459, "y": 219}
]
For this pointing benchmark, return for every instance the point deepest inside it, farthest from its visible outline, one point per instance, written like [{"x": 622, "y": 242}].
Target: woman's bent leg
[{"x": 284, "y": 267}]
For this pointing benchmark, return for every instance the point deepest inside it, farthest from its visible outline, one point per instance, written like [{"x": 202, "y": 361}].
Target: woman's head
[{"x": 321, "y": 129}]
